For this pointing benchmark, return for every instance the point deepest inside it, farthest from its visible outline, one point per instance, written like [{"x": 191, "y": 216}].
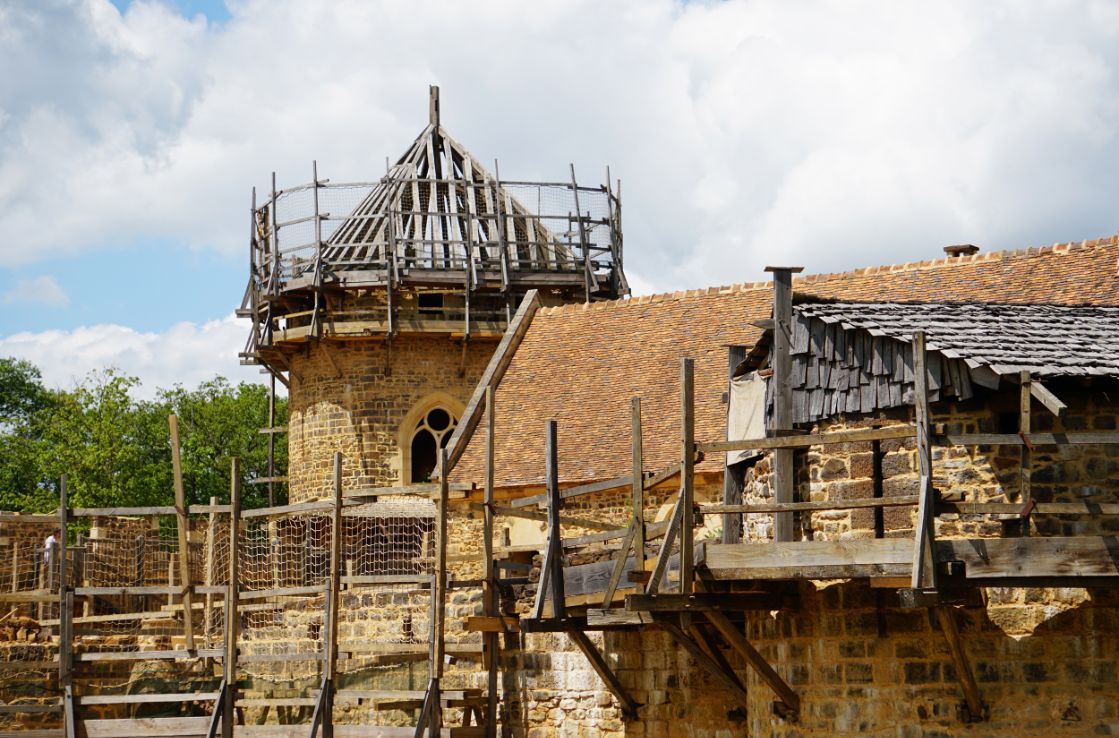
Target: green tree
[{"x": 218, "y": 421}]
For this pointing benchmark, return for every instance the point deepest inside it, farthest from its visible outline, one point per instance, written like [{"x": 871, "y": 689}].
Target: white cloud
[
  {"x": 44, "y": 290},
  {"x": 187, "y": 353},
  {"x": 829, "y": 134}
]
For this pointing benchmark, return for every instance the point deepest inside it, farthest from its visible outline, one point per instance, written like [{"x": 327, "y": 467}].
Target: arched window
[{"x": 431, "y": 433}]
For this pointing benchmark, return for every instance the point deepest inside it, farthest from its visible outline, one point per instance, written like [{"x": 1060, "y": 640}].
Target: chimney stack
[{"x": 963, "y": 249}]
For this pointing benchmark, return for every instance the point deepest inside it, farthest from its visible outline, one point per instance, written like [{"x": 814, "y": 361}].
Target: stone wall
[{"x": 353, "y": 396}]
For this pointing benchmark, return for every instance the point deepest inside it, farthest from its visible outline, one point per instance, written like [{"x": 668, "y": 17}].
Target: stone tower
[{"x": 380, "y": 303}]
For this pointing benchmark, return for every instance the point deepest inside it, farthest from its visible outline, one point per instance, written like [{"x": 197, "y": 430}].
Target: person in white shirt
[{"x": 50, "y": 544}]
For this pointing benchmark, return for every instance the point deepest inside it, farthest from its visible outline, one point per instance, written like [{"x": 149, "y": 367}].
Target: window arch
[{"x": 424, "y": 431}]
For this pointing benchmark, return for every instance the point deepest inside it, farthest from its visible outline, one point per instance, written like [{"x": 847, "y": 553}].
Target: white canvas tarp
[{"x": 746, "y": 413}]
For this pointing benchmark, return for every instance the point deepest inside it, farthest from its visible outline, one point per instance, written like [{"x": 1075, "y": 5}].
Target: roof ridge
[{"x": 808, "y": 279}]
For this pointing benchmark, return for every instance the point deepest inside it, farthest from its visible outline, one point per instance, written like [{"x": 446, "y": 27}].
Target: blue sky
[{"x": 827, "y": 134}]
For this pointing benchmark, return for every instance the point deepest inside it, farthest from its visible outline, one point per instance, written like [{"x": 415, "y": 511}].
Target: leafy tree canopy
[{"x": 114, "y": 448}]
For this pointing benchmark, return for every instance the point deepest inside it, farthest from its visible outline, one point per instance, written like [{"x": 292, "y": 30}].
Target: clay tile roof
[{"x": 580, "y": 364}]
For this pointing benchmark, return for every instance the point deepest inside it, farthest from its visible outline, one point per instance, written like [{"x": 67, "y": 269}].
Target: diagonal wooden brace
[
  {"x": 976, "y": 710},
  {"x": 629, "y": 707},
  {"x": 727, "y": 678},
  {"x": 738, "y": 642}
]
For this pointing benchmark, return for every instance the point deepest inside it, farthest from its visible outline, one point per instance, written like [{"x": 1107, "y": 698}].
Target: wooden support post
[
  {"x": 687, "y": 475},
  {"x": 211, "y": 528},
  {"x": 555, "y": 546},
  {"x": 69, "y": 718},
  {"x": 1025, "y": 450},
  {"x": 65, "y": 614},
  {"x": 976, "y": 709},
  {"x": 783, "y": 523},
  {"x": 182, "y": 523},
  {"x": 232, "y": 618},
  {"x": 924, "y": 563},
  {"x": 271, "y": 439},
  {"x": 438, "y": 647},
  {"x": 490, "y": 600},
  {"x": 334, "y": 595},
  {"x": 587, "y": 276},
  {"x": 638, "y": 493},
  {"x": 757, "y": 662},
  {"x": 598, "y": 663}
]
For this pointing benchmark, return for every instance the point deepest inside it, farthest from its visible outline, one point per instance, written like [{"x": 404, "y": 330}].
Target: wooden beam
[
  {"x": 555, "y": 547},
  {"x": 638, "y": 488},
  {"x": 733, "y": 485},
  {"x": 687, "y": 475},
  {"x": 583, "y": 489},
  {"x": 628, "y": 705},
  {"x": 182, "y": 524},
  {"x": 1051, "y": 402},
  {"x": 1025, "y": 451},
  {"x": 1082, "y": 558},
  {"x": 232, "y": 619},
  {"x": 975, "y": 707},
  {"x": 869, "y": 502},
  {"x": 782, "y": 363},
  {"x": 738, "y": 642},
  {"x": 513, "y": 512},
  {"x": 796, "y": 560},
  {"x": 660, "y": 568},
  {"x": 490, "y": 603},
  {"x": 704, "y": 601},
  {"x": 495, "y": 370},
  {"x": 923, "y": 575},
  {"x": 65, "y": 606},
  {"x": 1072, "y": 438},
  {"x": 858, "y": 435}
]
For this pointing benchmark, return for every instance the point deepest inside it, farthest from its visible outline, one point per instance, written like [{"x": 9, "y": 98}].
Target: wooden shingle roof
[
  {"x": 580, "y": 364},
  {"x": 858, "y": 358}
]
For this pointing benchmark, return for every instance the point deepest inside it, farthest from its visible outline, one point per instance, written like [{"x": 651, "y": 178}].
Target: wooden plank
[
  {"x": 145, "y": 727},
  {"x": 65, "y": 606},
  {"x": 183, "y": 529},
  {"x": 1072, "y": 438},
  {"x": 687, "y": 475},
  {"x": 543, "y": 517},
  {"x": 660, "y": 568},
  {"x": 164, "y": 655},
  {"x": 439, "y": 596},
  {"x": 992, "y": 559},
  {"x": 583, "y": 489},
  {"x": 283, "y": 592},
  {"x": 703, "y": 601},
  {"x": 810, "y": 559},
  {"x": 495, "y": 370},
  {"x": 1041, "y": 508},
  {"x": 923, "y": 572},
  {"x": 871, "y": 502},
  {"x": 108, "y": 512},
  {"x": 146, "y": 699},
  {"x": 491, "y": 624},
  {"x": 296, "y": 508},
  {"x": 857, "y": 435},
  {"x": 621, "y": 561},
  {"x": 611, "y": 617}
]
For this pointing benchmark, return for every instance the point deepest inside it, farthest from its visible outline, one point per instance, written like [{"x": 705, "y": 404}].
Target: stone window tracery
[{"x": 431, "y": 433}]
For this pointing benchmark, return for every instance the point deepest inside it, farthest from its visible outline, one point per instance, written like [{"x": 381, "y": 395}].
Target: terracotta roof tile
[{"x": 580, "y": 364}]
